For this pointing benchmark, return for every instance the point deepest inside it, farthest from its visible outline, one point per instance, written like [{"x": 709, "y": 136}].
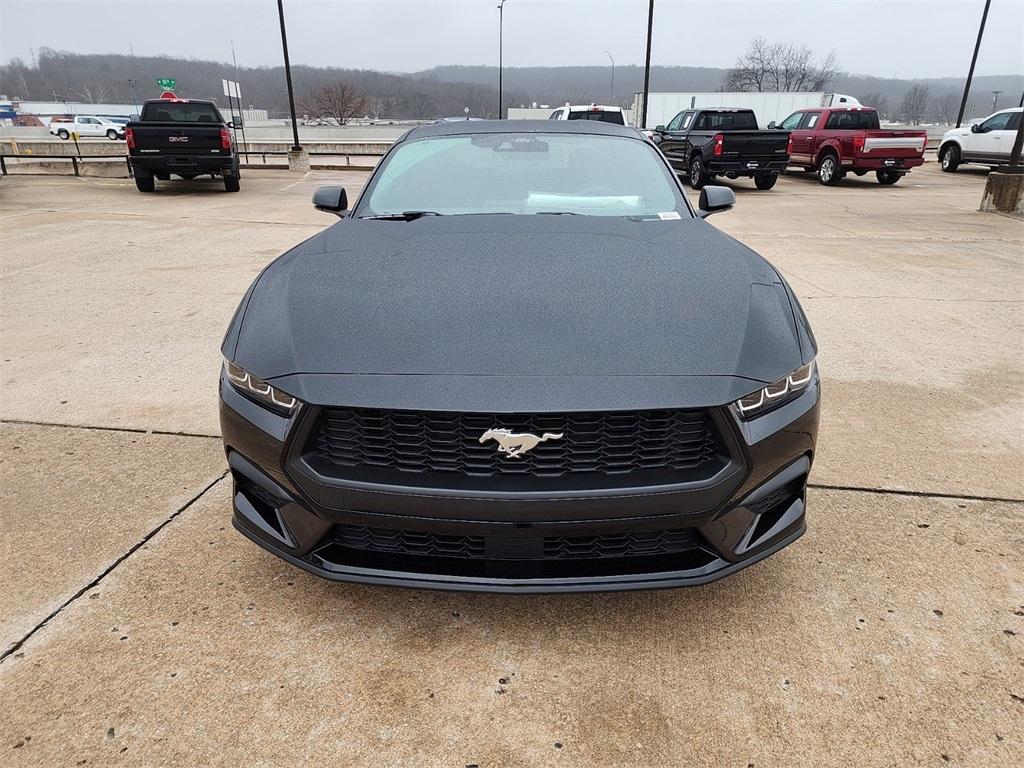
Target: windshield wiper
[
  {"x": 403, "y": 216},
  {"x": 558, "y": 213}
]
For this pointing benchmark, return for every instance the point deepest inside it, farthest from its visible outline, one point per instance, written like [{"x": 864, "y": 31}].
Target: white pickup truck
[{"x": 87, "y": 125}]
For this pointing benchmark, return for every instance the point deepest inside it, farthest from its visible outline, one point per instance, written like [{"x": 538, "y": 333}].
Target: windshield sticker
[{"x": 669, "y": 215}]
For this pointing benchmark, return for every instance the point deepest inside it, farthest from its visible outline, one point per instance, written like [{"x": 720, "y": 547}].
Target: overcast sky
[{"x": 898, "y": 38}]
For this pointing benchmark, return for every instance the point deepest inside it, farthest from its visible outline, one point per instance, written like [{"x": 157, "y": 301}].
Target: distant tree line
[{"x": 447, "y": 90}]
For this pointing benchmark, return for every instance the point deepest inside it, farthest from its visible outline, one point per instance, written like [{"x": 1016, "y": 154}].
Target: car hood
[{"x": 548, "y": 302}]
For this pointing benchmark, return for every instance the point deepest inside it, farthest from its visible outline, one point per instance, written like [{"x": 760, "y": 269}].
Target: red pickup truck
[{"x": 834, "y": 142}]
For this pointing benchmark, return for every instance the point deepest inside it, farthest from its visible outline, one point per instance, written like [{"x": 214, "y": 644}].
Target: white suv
[
  {"x": 985, "y": 143},
  {"x": 87, "y": 125},
  {"x": 590, "y": 112}
]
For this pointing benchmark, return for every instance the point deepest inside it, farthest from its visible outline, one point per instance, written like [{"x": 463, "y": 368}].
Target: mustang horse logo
[{"x": 515, "y": 444}]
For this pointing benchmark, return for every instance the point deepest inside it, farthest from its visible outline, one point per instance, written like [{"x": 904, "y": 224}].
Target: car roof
[
  {"x": 470, "y": 127},
  {"x": 586, "y": 107}
]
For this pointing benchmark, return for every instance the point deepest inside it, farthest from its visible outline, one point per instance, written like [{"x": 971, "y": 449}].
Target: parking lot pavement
[
  {"x": 891, "y": 631},
  {"x": 890, "y": 638},
  {"x": 74, "y": 500}
]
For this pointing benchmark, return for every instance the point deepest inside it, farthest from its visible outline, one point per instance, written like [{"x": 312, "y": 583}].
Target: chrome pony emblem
[{"x": 515, "y": 444}]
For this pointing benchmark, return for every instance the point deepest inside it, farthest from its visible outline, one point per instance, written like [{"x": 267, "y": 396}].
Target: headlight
[
  {"x": 777, "y": 393},
  {"x": 259, "y": 390}
]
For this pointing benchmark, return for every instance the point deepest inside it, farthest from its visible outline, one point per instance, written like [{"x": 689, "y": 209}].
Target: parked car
[
  {"x": 522, "y": 362},
  {"x": 602, "y": 114},
  {"x": 87, "y": 125},
  {"x": 704, "y": 143},
  {"x": 987, "y": 142},
  {"x": 836, "y": 141},
  {"x": 184, "y": 137}
]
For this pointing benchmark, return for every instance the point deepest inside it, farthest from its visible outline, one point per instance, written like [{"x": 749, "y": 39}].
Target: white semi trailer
[{"x": 768, "y": 106}]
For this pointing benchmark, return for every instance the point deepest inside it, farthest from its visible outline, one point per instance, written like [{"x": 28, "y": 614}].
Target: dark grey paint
[{"x": 513, "y": 313}]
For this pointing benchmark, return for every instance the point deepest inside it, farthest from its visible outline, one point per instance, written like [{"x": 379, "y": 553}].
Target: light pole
[
  {"x": 647, "y": 67},
  {"x": 132, "y": 82},
  {"x": 288, "y": 76},
  {"x": 974, "y": 60},
  {"x": 501, "y": 21},
  {"x": 611, "y": 88},
  {"x": 995, "y": 99}
]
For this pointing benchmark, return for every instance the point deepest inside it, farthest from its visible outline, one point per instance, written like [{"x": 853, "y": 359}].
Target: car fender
[{"x": 829, "y": 144}]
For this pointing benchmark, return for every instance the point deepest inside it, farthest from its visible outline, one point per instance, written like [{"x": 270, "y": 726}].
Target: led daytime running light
[
  {"x": 245, "y": 381},
  {"x": 776, "y": 392}
]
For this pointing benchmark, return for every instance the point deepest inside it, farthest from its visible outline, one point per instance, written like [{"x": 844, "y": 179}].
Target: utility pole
[
  {"x": 995, "y": 99},
  {"x": 501, "y": 35},
  {"x": 974, "y": 60},
  {"x": 296, "y": 147},
  {"x": 647, "y": 67},
  {"x": 611, "y": 89}
]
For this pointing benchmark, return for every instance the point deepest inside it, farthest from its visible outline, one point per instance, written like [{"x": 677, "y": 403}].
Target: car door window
[
  {"x": 555, "y": 115},
  {"x": 792, "y": 122},
  {"x": 687, "y": 119},
  {"x": 1000, "y": 122},
  {"x": 676, "y": 121},
  {"x": 810, "y": 118}
]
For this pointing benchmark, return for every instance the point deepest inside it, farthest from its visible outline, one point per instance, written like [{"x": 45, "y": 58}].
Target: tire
[
  {"x": 231, "y": 183},
  {"x": 696, "y": 174},
  {"x": 144, "y": 183},
  {"x": 830, "y": 172},
  {"x": 62, "y": 134},
  {"x": 949, "y": 158},
  {"x": 112, "y": 134},
  {"x": 765, "y": 180},
  {"x": 888, "y": 176}
]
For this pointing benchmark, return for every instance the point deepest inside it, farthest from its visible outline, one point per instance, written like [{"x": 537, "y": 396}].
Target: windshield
[{"x": 523, "y": 173}]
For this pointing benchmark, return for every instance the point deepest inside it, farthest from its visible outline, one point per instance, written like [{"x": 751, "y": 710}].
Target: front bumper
[{"x": 626, "y": 538}]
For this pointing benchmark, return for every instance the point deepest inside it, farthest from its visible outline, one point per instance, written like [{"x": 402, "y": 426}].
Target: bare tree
[
  {"x": 914, "y": 105},
  {"x": 780, "y": 67},
  {"x": 947, "y": 107},
  {"x": 876, "y": 100},
  {"x": 93, "y": 93},
  {"x": 338, "y": 101}
]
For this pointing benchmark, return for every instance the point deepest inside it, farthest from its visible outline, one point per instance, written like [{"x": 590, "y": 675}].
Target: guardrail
[{"x": 75, "y": 160}]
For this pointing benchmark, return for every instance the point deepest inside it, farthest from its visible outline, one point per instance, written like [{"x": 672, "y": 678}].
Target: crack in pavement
[
  {"x": 131, "y": 430},
  {"x": 16, "y": 646}
]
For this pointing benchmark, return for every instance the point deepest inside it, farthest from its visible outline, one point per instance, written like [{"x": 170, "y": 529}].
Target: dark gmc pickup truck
[
  {"x": 181, "y": 136},
  {"x": 704, "y": 143}
]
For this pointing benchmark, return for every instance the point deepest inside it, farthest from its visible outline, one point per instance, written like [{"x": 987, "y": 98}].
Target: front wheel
[
  {"x": 829, "y": 172},
  {"x": 765, "y": 180},
  {"x": 949, "y": 158},
  {"x": 112, "y": 134},
  {"x": 231, "y": 183},
  {"x": 887, "y": 176},
  {"x": 63, "y": 134},
  {"x": 698, "y": 177},
  {"x": 144, "y": 182}
]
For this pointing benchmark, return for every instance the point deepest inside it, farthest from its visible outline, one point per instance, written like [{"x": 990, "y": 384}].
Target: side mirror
[
  {"x": 976, "y": 128},
  {"x": 772, "y": 125},
  {"x": 331, "y": 199},
  {"x": 659, "y": 129},
  {"x": 714, "y": 199},
  {"x": 236, "y": 122}
]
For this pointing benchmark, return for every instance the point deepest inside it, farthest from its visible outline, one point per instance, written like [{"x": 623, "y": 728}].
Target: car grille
[
  {"x": 602, "y": 546},
  {"x": 604, "y": 449}
]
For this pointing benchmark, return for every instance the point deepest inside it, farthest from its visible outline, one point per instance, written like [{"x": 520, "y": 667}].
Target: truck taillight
[
  {"x": 719, "y": 139},
  {"x": 789, "y": 145},
  {"x": 858, "y": 143},
  {"x": 129, "y": 137},
  {"x": 225, "y": 138}
]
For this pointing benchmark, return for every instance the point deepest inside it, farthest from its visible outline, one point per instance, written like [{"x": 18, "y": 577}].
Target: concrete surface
[
  {"x": 73, "y": 500},
  {"x": 890, "y": 635},
  {"x": 892, "y": 641}
]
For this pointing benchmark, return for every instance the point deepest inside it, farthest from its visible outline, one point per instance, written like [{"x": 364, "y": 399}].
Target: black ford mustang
[{"x": 522, "y": 362}]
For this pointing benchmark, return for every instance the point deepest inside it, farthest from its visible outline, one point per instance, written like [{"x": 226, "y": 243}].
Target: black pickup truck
[
  {"x": 185, "y": 137},
  {"x": 704, "y": 143}
]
